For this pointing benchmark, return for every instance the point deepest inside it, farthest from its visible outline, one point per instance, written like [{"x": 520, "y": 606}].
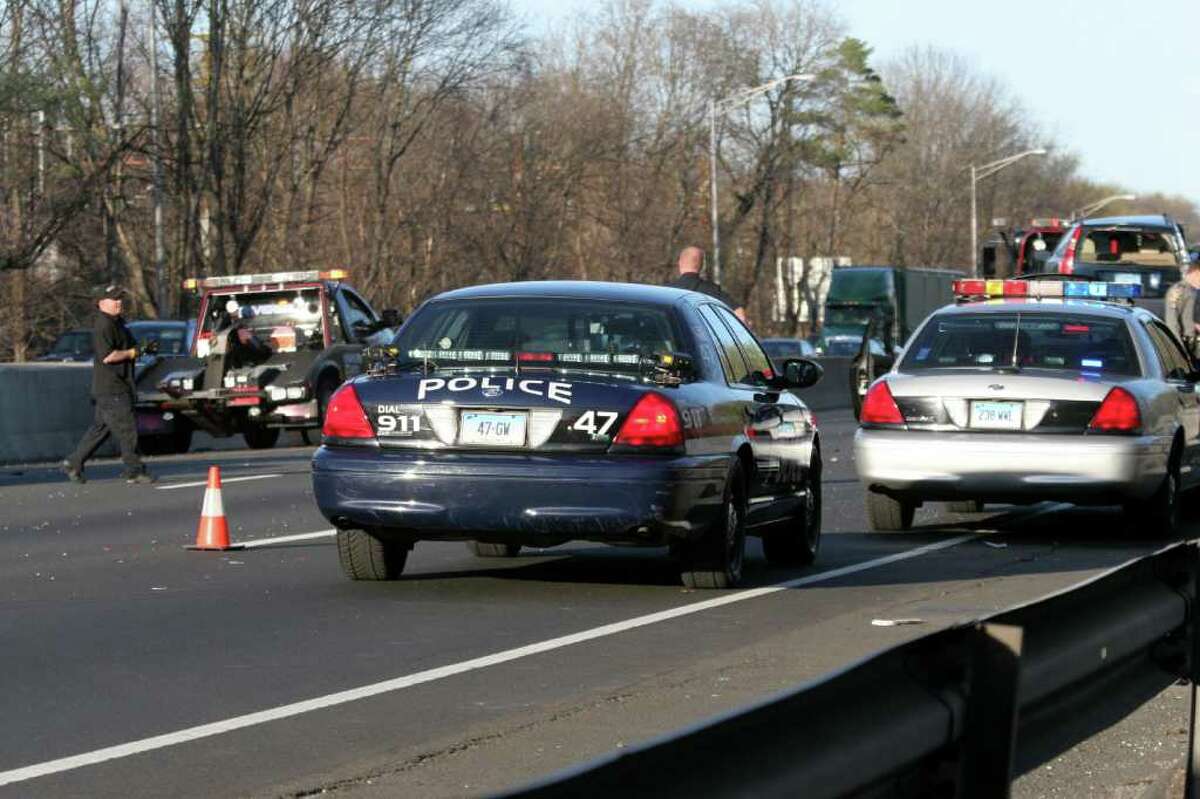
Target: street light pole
[
  {"x": 724, "y": 105},
  {"x": 1088, "y": 210},
  {"x": 978, "y": 174},
  {"x": 974, "y": 262}
]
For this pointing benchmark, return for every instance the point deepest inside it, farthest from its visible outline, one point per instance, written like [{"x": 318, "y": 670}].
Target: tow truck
[
  {"x": 309, "y": 329},
  {"x": 1020, "y": 250}
]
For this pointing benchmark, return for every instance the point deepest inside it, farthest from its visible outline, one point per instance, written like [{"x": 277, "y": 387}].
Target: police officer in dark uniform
[
  {"x": 113, "y": 390},
  {"x": 689, "y": 278}
]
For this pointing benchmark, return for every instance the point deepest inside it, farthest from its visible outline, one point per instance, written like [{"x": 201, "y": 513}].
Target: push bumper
[
  {"x": 528, "y": 499},
  {"x": 1097, "y": 470}
]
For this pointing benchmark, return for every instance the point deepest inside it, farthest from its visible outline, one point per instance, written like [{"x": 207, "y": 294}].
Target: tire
[
  {"x": 364, "y": 556},
  {"x": 325, "y": 391},
  {"x": 889, "y": 515},
  {"x": 483, "y": 550},
  {"x": 258, "y": 437},
  {"x": 181, "y": 439},
  {"x": 1159, "y": 516},
  {"x": 716, "y": 560},
  {"x": 799, "y": 543},
  {"x": 966, "y": 506},
  {"x": 153, "y": 445},
  {"x": 307, "y": 436}
]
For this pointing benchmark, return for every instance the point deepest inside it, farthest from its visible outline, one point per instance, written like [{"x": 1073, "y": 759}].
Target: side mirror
[
  {"x": 391, "y": 318},
  {"x": 801, "y": 373}
]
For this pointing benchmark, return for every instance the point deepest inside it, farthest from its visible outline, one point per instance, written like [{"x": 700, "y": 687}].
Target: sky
[{"x": 1115, "y": 82}]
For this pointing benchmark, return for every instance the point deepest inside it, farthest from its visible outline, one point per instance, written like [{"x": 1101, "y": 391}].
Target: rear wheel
[
  {"x": 259, "y": 437},
  {"x": 1158, "y": 517},
  {"x": 153, "y": 445},
  {"x": 365, "y": 556},
  {"x": 798, "y": 544},
  {"x": 889, "y": 515},
  {"x": 966, "y": 506},
  {"x": 484, "y": 550},
  {"x": 181, "y": 439},
  {"x": 716, "y": 560}
]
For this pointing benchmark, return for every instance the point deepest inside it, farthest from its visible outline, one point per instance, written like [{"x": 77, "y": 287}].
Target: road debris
[{"x": 895, "y": 622}]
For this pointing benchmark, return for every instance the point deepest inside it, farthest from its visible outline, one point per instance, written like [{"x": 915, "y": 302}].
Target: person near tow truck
[{"x": 113, "y": 390}]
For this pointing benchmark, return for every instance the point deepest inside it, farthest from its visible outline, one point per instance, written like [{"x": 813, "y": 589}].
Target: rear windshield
[
  {"x": 268, "y": 312},
  {"x": 172, "y": 339},
  {"x": 1061, "y": 342},
  {"x": 496, "y": 330},
  {"x": 1124, "y": 245},
  {"x": 783, "y": 349},
  {"x": 77, "y": 342}
]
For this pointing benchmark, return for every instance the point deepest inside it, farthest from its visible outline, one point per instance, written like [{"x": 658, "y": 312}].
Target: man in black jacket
[
  {"x": 113, "y": 390},
  {"x": 689, "y": 278}
]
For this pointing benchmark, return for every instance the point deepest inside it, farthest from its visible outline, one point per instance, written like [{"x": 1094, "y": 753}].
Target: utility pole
[
  {"x": 41, "y": 154},
  {"x": 160, "y": 281},
  {"x": 712, "y": 174}
]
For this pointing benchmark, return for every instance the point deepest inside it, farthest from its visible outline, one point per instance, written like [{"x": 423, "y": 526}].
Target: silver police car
[{"x": 1028, "y": 391}]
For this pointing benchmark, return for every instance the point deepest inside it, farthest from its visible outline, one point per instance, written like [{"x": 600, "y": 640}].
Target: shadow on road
[{"x": 1013, "y": 542}]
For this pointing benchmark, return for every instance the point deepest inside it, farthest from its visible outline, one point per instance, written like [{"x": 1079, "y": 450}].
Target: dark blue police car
[{"x": 531, "y": 414}]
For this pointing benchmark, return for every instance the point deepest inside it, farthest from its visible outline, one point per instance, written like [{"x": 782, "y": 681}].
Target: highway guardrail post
[
  {"x": 1192, "y": 790},
  {"x": 990, "y": 726}
]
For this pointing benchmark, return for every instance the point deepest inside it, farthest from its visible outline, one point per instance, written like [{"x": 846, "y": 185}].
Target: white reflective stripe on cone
[{"x": 212, "y": 504}]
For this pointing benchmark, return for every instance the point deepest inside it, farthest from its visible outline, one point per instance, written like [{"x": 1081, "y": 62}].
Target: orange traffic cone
[{"x": 213, "y": 532}]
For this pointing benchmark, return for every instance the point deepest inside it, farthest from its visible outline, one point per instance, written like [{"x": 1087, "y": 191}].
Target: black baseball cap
[{"x": 111, "y": 292}]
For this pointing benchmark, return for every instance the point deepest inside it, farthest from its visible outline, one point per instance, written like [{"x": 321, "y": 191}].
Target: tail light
[
  {"x": 879, "y": 406},
  {"x": 1067, "y": 265},
  {"x": 653, "y": 422},
  {"x": 345, "y": 418},
  {"x": 1117, "y": 414}
]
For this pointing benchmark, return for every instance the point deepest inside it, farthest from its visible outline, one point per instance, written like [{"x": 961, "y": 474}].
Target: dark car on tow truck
[
  {"x": 532, "y": 414},
  {"x": 310, "y": 328}
]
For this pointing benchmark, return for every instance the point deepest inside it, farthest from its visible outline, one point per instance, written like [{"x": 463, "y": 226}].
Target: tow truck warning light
[
  {"x": 194, "y": 284},
  {"x": 1068, "y": 289}
]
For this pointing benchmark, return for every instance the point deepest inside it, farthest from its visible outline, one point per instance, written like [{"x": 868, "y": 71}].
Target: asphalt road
[{"x": 132, "y": 667}]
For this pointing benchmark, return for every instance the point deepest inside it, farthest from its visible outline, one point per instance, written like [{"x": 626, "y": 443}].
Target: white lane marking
[
  {"x": 224, "y": 480},
  {"x": 442, "y": 672},
  {"x": 283, "y": 539}
]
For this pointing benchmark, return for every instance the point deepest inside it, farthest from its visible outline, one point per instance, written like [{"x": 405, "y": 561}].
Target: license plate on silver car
[
  {"x": 996, "y": 415},
  {"x": 488, "y": 428}
]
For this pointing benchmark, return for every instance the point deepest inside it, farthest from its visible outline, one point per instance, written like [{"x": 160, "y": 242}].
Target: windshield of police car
[
  {"x": 591, "y": 334},
  {"x": 1061, "y": 342}
]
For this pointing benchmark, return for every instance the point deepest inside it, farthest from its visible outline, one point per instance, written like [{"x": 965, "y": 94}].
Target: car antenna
[{"x": 1016, "y": 341}]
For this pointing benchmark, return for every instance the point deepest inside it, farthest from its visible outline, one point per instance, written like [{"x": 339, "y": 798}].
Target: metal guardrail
[{"x": 956, "y": 713}]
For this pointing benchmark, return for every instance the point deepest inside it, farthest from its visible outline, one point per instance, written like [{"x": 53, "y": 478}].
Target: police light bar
[
  {"x": 194, "y": 284},
  {"x": 1053, "y": 221},
  {"x": 1068, "y": 289}
]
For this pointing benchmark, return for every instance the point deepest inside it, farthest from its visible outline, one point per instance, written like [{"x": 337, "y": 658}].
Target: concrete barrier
[
  {"x": 45, "y": 408},
  {"x": 832, "y": 392},
  {"x": 44, "y": 411}
]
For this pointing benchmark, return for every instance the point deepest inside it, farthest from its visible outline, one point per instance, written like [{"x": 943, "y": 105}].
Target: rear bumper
[
  {"x": 528, "y": 499},
  {"x": 219, "y": 409},
  {"x": 1097, "y": 470}
]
